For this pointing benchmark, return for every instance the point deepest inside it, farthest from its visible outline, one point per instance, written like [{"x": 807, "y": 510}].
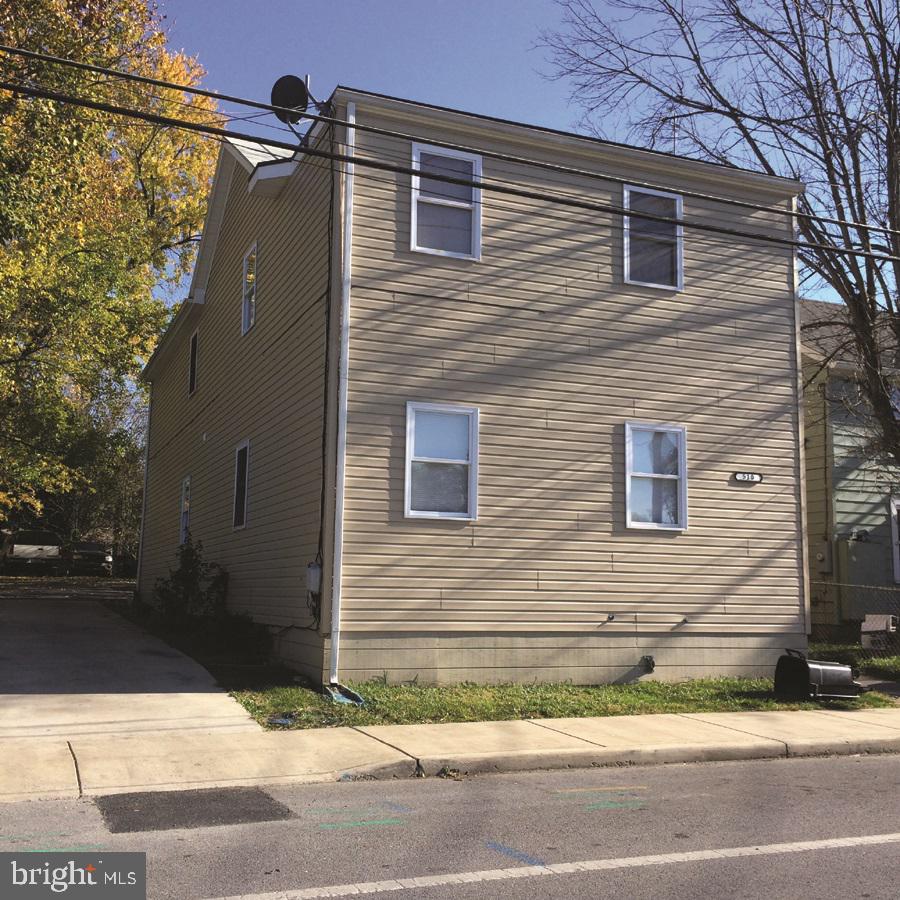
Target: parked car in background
[
  {"x": 32, "y": 551},
  {"x": 88, "y": 558}
]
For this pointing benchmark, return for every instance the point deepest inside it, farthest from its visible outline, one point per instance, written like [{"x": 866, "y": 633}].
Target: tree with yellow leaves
[{"x": 96, "y": 211}]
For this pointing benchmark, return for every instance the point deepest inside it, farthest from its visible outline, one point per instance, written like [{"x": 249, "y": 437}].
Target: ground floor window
[
  {"x": 655, "y": 476},
  {"x": 185, "y": 526},
  {"x": 241, "y": 483},
  {"x": 441, "y": 461}
]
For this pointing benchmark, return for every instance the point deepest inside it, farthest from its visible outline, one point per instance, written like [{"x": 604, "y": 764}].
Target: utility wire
[
  {"x": 489, "y": 154},
  {"x": 481, "y": 184}
]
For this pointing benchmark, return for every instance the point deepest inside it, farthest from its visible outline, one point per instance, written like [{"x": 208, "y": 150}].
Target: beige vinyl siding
[
  {"x": 557, "y": 353},
  {"x": 266, "y": 386}
]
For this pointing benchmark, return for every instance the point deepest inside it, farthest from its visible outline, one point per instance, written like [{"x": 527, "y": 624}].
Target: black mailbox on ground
[{"x": 799, "y": 678}]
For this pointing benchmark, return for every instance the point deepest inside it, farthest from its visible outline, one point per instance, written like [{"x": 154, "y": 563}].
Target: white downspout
[{"x": 343, "y": 383}]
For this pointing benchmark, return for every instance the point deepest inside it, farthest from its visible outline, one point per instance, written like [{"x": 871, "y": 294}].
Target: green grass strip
[{"x": 409, "y": 704}]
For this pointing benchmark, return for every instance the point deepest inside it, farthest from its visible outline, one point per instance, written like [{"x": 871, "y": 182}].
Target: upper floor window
[
  {"x": 653, "y": 249},
  {"x": 241, "y": 483},
  {"x": 656, "y": 476},
  {"x": 446, "y": 216},
  {"x": 185, "y": 524},
  {"x": 248, "y": 306},
  {"x": 192, "y": 365},
  {"x": 441, "y": 461}
]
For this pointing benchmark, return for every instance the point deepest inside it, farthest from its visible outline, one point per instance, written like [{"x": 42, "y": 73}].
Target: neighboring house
[
  {"x": 508, "y": 429},
  {"x": 853, "y": 494}
]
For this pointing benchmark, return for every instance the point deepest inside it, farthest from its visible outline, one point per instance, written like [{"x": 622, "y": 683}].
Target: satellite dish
[{"x": 291, "y": 92}]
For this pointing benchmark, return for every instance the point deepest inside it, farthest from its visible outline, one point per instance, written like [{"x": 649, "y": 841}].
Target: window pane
[
  {"x": 185, "y": 508},
  {"x": 250, "y": 271},
  {"x": 452, "y": 168},
  {"x": 652, "y": 260},
  {"x": 654, "y": 500},
  {"x": 654, "y": 452},
  {"x": 444, "y": 228},
  {"x": 441, "y": 435},
  {"x": 192, "y": 378},
  {"x": 439, "y": 487},
  {"x": 655, "y": 206},
  {"x": 249, "y": 290},
  {"x": 240, "y": 487}
]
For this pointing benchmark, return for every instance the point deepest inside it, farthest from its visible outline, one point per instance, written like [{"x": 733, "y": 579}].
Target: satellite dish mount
[{"x": 291, "y": 94}]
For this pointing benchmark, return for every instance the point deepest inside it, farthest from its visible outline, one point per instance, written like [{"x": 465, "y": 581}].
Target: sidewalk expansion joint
[
  {"x": 392, "y": 746},
  {"x": 832, "y": 714},
  {"x": 77, "y": 770},
  {"x": 565, "y": 733},
  {"x": 762, "y": 737}
]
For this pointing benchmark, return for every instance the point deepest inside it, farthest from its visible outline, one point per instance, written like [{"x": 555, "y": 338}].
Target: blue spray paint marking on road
[
  {"x": 512, "y": 853},
  {"x": 397, "y": 807}
]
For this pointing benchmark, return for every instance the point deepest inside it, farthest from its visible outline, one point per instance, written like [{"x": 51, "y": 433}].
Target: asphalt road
[{"x": 492, "y": 828}]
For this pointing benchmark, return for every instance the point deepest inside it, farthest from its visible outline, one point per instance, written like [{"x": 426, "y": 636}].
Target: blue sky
[{"x": 476, "y": 56}]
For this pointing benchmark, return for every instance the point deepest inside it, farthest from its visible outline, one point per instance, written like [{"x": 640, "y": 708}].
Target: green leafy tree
[{"x": 95, "y": 212}]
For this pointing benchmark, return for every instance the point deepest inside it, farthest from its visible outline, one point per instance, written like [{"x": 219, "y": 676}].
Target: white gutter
[
  {"x": 140, "y": 558},
  {"x": 343, "y": 384}
]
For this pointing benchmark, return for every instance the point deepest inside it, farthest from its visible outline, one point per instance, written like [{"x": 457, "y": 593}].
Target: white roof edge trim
[
  {"x": 523, "y": 134},
  {"x": 250, "y": 153},
  {"x": 274, "y": 173},
  {"x": 215, "y": 211}
]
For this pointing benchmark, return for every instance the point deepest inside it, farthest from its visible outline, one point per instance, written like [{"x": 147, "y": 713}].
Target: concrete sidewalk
[{"x": 92, "y": 765}]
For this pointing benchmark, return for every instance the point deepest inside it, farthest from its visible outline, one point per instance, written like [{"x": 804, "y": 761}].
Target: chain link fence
[{"x": 858, "y": 624}]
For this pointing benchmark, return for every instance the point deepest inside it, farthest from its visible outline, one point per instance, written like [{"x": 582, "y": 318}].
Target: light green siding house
[{"x": 853, "y": 494}]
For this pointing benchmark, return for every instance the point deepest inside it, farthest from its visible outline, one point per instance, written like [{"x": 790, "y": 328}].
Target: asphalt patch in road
[{"x": 165, "y": 810}]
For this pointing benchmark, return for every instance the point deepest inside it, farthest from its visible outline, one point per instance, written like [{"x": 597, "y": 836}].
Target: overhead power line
[
  {"x": 480, "y": 184},
  {"x": 398, "y": 135}
]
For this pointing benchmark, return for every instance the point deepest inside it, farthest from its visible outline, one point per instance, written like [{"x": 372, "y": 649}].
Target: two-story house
[{"x": 497, "y": 381}]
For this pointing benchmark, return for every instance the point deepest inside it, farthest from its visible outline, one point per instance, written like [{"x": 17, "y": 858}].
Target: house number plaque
[{"x": 748, "y": 477}]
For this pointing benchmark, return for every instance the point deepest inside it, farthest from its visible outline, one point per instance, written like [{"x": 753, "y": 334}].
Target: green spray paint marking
[
  {"x": 10, "y": 838},
  {"x": 332, "y": 825}
]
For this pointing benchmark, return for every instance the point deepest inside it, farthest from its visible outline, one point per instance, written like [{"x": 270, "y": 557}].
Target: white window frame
[
  {"x": 679, "y": 237},
  {"x": 184, "y": 521},
  {"x": 253, "y": 251},
  {"x": 193, "y": 359},
  {"x": 681, "y": 431},
  {"x": 474, "y": 205},
  {"x": 894, "y": 506},
  {"x": 237, "y": 450},
  {"x": 412, "y": 407}
]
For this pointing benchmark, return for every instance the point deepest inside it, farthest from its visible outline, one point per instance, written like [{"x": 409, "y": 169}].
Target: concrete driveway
[{"x": 70, "y": 666}]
